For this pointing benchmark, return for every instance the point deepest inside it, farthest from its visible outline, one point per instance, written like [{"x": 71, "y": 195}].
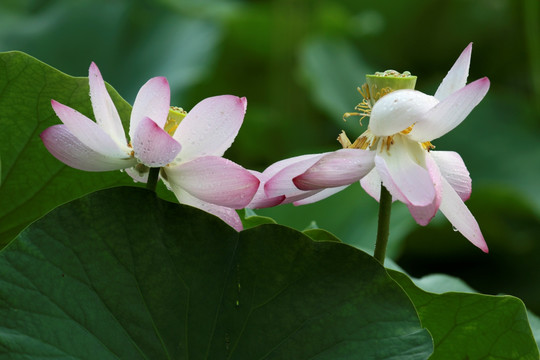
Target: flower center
[
  {"x": 377, "y": 86},
  {"x": 368, "y": 141},
  {"x": 175, "y": 117}
]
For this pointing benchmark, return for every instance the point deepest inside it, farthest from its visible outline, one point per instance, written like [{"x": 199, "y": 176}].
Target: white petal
[
  {"x": 371, "y": 183},
  {"x": 338, "y": 168},
  {"x": 66, "y": 147},
  {"x": 210, "y": 127},
  {"x": 398, "y": 110},
  {"x": 281, "y": 183},
  {"x": 153, "y": 101},
  {"x": 457, "y": 76},
  {"x": 402, "y": 175},
  {"x": 226, "y": 214},
  {"x": 215, "y": 180},
  {"x": 104, "y": 110},
  {"x": 460, "y": 217},
  {"x": 450, "y": 112},
  {"x": 88, "y": 132},
  {"x": 454, "y": 171},
  {"x": 138, "y": 176},
  {"x": 152, "y": 145}
]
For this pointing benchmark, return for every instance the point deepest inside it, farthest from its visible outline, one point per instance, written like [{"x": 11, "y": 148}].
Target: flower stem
[
  {"x": 383, "y": 228},
  {"x": 153, "y": 176}
]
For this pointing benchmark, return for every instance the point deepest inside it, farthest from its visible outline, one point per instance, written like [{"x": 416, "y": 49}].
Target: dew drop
[{"x": 454, "y": 228}]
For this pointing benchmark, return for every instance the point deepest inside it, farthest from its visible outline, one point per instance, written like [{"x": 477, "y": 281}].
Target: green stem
[
  {"x": 153, "y": 176},
  {"x": 383, "y": 229}
]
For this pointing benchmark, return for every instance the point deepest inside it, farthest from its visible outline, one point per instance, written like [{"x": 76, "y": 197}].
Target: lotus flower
[
  {"x": 195, "y": 170},
  {"x": 396, "y": 151},
  {"x": 199, "y": 176}
]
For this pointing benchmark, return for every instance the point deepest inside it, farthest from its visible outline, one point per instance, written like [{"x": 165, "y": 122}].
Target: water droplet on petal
[{"x": 454, "y": 228}]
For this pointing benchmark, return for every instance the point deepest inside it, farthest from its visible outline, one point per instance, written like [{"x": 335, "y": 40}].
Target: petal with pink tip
[
  {"x": 424, "y": 214},
  {"x": 320, "y": 195},
  {"x": 398, "y": 110},
  {"x": 454, "y": 171},
  {"x": 281, "y": 183},
  {"x": 104, "y": 109},
  {"x": 88, "y": 132},
  {"x": 67, "y": 148},
  {"x": 261, "y": 200},
  {"x": 460, "y": 217},
  {"x": 152, "y": 145},
  {"x": 215, "y": 180},
  {"x": 342, "y": 167},
  {"x": 153, "y": 101},
  {"x": 450, "y": 112},
  {"x": 226, "y": 214},
  {"x": 404, "y": 178},
  {"x": 457, "y": 76},
  {"x": 211, "y": 126}
]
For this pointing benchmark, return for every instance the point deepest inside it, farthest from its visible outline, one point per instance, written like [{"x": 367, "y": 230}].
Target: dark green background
[{"x": 299, "y": 63}]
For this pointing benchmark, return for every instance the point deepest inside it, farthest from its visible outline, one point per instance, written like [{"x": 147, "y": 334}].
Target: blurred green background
[{"x": 299, "y": 62}]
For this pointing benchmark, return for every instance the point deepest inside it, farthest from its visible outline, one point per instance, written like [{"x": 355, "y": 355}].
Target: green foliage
[
  {"x": 321, "y": 235},
  {"x": 33, "y": 181},
  {"x": 251, "y": 219},
  {"x": 123, "y": 274},
  {"x": 472, "y": 326}
]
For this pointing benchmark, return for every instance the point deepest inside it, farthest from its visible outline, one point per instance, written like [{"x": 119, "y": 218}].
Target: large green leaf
[
  {"x": 33, "y": 181},
  {"x": 473, "y": 326},
  {"x": 123, "y": 274}
]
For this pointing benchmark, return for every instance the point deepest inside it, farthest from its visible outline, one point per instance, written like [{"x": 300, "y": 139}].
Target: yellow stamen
[{"x": 344, "y": 140}]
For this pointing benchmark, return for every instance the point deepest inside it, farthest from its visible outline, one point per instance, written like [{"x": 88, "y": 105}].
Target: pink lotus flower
[
  {"x": 199, "y": 176},
  {"x": 195, "y": 170},
  {"x": 396, "y": 151}
]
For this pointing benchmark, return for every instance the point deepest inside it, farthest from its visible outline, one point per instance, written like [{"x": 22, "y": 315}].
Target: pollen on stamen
[{"x": 364, "y": 108}]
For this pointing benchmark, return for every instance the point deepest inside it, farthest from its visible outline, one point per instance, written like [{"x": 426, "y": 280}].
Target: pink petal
[
  {"x": 215, "y": 180},
  {"x": 300, "y": 195},
  {"x": 226, "y": 214},
  {"x": 424, "y": 214},
  {"x": 67, "y": 148},
  {"x": 276, "y": 167},
  {"x": 398, "y": 110},
  {"x": 454, "y": 171},
  {"x": 104, "y": 109},
  {"x": 88, "y": 132},
  {"x": 342, "y": 167},
  {"x": 283, "y": 172},
  {"x": 261, "y": 200},
  {"x": 153, "y": 101},
  {"x": 211, "y": 126},
  {"x": 320, "y": 195},
  {"x": 457, "y": 76},
  {"x": 460, "y": 217},
  {"x": 450, "y": 112},
  {"x": 153, "y": 146},
  {"x": 371, "y": 183},
  {"x": 404, "y": 178}
]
